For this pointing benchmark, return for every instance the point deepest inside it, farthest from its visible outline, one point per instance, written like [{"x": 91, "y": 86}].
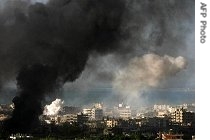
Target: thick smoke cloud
[
  {"x": 48, "y": 45},
  {"x": 56, "y": 39},
  {"x": 147, "y": 71},
  {"x": 154, "y": 26},
  {"x": 33, "y": 82},
  {"x": 61, "y": 33}
]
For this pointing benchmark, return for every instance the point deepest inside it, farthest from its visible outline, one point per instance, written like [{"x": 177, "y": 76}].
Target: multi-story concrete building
[
  {"x": 183, "y": 117},
  {"x": 70, "y": 118},
  {"x": 94, "y": 113},
  {"x": 97, "y": 114},
  {"x": 82, "y": 118},
  {"x": 177, "y": 116},
  {"x": 88, "y": 112},
  {"x": 110, "y": 123}
]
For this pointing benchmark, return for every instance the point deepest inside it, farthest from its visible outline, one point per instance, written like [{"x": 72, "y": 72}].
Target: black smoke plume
[
  {"x": 46, "y": 45},
  {"x": 33, "y": 82},
  {"x": 49, "y": 45}
]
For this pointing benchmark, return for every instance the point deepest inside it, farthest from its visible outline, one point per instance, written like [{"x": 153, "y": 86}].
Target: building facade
[{"x": 183, "y": 117}]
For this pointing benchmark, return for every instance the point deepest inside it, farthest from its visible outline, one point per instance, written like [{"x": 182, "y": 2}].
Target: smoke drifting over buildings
[
  {"x": 49, "y": 45},
  {"x": 44, "y": 45}
]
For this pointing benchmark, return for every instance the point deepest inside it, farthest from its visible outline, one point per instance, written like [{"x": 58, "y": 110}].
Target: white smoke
[
  {"x": 53, "y": 108},
  {"x": 147, "y": 71}
]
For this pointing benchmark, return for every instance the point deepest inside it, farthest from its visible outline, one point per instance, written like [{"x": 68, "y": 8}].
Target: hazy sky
[
  {"x": 142, "y": 52},
  {"x": 96, "y": 81}
]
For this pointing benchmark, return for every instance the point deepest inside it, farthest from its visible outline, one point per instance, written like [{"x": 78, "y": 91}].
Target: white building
[{"x": 88, "y": 112}]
